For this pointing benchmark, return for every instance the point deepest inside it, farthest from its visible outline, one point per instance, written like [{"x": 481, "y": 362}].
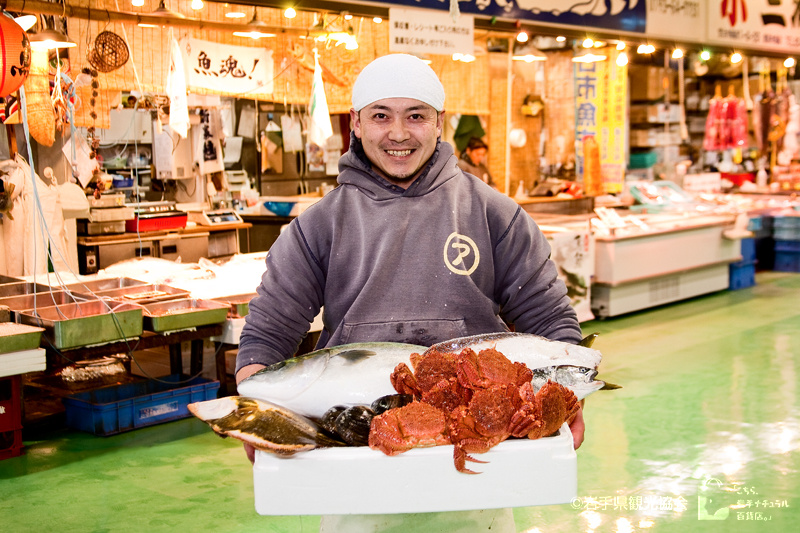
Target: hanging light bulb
[
  {"x": 348, "y": 16},
  {"x": 736, "y": 57},
  {"x": 622, "y": 59},
  {"x": 677, "y": 53},
  {"x": 620, "y": 46},
  {"x": 290, "y": 13},
  {"x": 197, "y": 4},
  {"x": 560, "y": 39},
  {"x": 377, "y": 20},
  {"x": 522, "y": 37},
  {"x": 588, "y": 43},
  {"x": 641, "y": 49},
  {"x": 137, "y": 3},
  {"x": 790, "y": 62},
  {"x": 705, "y": 55}
]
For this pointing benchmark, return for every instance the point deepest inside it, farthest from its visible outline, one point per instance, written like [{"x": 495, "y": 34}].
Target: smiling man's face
[{"x": 399, "y": 135}]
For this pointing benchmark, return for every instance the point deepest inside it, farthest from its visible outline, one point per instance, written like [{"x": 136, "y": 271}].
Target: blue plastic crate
[
  {"x": 741, "y": 276},
  {"x": 787, "y": 261},
  {"x": 786, "y": 234},
  {"x": 787, "y": 222},
  {"x": 748, "y": 250},
  {"x": 121, "y": 408},
  {"x": 755, "y": 224},
  {"x": 787, "y": 246}
]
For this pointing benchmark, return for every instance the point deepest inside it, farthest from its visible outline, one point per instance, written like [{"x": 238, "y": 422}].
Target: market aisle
[{"x": 710, "y": 391}]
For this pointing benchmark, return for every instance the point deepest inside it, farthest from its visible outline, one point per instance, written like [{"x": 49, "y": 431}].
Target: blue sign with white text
[{"x": 623, "y": 15}]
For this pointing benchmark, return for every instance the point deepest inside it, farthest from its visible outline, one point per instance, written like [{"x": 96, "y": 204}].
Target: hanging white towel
[{"x": 176, "y": 90}]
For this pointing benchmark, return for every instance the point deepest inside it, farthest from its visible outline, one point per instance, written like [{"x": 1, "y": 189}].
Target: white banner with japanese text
[
  {"x": 425, "y": 31},
  {"x": 226, "y": 68},
  {"x": 772, "y": 25},
  {"x": 681, "y": 20}
]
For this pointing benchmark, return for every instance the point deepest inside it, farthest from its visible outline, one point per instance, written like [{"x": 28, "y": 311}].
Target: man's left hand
[{"x": 577, "y": 427}]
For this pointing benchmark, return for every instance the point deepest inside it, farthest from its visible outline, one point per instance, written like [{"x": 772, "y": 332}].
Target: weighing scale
[{"x": 215, "y": 217}]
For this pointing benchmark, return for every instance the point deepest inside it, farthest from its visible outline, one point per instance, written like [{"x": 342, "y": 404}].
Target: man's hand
[
  {"x": 243, "y": 373},
  {"x": 577, "y": 427},
  {"x": 247, "y": 371}
]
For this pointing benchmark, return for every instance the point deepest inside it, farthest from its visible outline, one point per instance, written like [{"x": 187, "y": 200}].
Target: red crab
[{"x": 484, "y": 398}]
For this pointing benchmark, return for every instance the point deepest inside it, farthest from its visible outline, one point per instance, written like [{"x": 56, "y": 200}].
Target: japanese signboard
[
  {"x": 423, "y": 31},
  {"x": 755, "y": 24},
  {"x": 625, "y": 15},
  {"x": 226, "y": 68},
  {"x": 600, "y": 96},
  {"x": 676, "y": 19}
]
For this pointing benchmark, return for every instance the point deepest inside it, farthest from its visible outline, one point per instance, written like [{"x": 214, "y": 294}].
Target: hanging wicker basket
[{"x": 109, "y": 52}]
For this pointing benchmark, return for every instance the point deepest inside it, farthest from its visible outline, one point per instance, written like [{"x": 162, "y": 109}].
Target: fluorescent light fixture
[
  {"x": 255, "y": 28},
  {"x": 528, "y": 54},
  {"x": 560, "y": 39},
  {"x": 377, "y": 20},
  {"x": 50, "y": 39},
  {"x": 588, "y": 57}
]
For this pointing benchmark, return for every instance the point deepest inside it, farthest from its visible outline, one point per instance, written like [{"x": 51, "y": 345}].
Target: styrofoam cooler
[{"x": 359, "y": 480}]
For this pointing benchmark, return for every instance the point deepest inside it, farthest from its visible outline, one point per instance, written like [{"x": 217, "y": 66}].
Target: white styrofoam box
[
  {"x": 704, "y": 182},
  {"x": 655, "y": 113},
  {"x": 359, "y": 480},
  {"x": 696, "y": 244},
  {"x": 22, "y": 362}
]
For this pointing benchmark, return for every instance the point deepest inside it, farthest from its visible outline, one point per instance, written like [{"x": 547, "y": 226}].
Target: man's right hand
[{"x": 245, "y": 372}]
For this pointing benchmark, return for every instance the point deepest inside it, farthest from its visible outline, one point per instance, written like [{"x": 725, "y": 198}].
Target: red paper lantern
[{"x": 15, "y": 55}]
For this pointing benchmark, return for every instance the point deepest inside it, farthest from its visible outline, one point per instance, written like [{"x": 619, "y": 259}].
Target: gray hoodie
[{"x": 447, "y": 257}]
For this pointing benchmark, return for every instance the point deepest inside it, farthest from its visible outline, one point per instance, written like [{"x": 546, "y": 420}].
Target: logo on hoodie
[{"x": 461, "y": 254}]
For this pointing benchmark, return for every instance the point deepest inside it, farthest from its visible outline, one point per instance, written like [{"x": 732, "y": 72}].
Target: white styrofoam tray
[
  {"x": 330, "y": 481},
  {"x": 22, "y": 362}
]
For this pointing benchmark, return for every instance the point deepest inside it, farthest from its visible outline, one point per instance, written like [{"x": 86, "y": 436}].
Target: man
[
  {"x": 473, "y": 158},
  {"x": 408, "y": 248}
]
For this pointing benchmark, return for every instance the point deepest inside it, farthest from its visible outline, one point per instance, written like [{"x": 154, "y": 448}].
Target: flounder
[{"x": 264, "y": 425}]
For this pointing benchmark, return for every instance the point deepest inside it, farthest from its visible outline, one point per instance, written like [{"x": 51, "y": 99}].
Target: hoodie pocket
[{"x": 423, "y": 332}]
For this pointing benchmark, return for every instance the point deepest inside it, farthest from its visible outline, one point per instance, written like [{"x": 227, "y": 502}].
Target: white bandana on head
[{"x": 398, "y": 76}]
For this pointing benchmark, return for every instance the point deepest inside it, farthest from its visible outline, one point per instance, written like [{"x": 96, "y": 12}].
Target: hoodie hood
[{"x": 355, "y": 169}]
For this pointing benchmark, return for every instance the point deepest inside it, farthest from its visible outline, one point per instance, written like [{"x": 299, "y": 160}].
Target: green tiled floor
[{"x": 705, "y": 427}]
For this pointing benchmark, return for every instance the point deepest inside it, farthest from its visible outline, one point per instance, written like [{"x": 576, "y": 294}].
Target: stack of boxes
[{"x": 786, "y": 232}]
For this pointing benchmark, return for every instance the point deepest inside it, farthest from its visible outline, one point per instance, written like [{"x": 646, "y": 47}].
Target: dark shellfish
[{"x": 392, "y": 401}]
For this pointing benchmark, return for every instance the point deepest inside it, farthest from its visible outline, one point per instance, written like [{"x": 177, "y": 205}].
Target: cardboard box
[{"x": 650, "y": 83}]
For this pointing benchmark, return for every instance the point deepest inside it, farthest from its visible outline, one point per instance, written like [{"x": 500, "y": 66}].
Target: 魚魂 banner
[
  {"x": 226, "y": 68},
  {"x": 600, "y": 103}
]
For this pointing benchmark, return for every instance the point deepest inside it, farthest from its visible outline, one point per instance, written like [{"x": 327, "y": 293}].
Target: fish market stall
[{"x": 649, "y": 260}]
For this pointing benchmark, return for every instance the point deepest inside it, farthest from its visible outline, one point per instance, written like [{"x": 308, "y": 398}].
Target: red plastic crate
[
  {"x": 10, "y": 403},
  {"x": 156, "y": 223},
  {"x": 11, "y": 444}
]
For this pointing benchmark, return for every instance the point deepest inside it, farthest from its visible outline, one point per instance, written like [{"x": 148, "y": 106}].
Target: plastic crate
[
  {"x": 755, "y": 224},
  {"x": 121, "y": 408},
  {"x": 786, "y": 234},
  {"x": 786, "y": 222},
  {"x": 10, "y": 444},
  {"x": 741, "y": 276},
  {"x": 787, "y": 246},
  {"x": 787, "y": 262},
  {"x": 10, "y": 403},
  {"x": 748, "y": 250}
]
